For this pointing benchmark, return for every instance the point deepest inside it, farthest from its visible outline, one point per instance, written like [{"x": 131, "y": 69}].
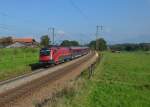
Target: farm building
[
  {"x": 28, "y": 41},
  {"x": 10, "y": 42},
  {"x": 16, "y": 45},
  {"x": 24, "y": 42}
]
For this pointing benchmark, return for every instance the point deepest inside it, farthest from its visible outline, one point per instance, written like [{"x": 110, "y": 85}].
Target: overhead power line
[
  {"x": 78, "y": 9},
  {"x": 3, "y": 26},
  {"x": 98, "y": 29},
  {"x": 3, "y": 14},
  {"x": 8, "y": 27}
]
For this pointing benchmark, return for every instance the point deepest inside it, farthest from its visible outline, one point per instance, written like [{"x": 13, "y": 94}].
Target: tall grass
[
  {"x": 120, "y": 80},
  {"x": 16, "y": 61}
]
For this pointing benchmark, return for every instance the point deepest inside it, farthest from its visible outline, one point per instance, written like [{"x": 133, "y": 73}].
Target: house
[
  {"x": 23, "y": 42},
  {"x": 10, "y": 42},
  {"x": 16, "y": 45},
  {"x": 27, "y": 41}
]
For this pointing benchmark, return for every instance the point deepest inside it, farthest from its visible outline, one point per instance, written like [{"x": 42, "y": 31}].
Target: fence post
[
  {"x": 14, "y": 64},
  {"x": 24, "y": 57},
  {"x": 90, "y": 71}
]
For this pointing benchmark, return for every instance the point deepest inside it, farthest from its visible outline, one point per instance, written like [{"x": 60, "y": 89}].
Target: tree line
[
  {"x": 45, "y": 42},
  {"x": 101, "y": 43},
  {"x": 130, "y": 47}
]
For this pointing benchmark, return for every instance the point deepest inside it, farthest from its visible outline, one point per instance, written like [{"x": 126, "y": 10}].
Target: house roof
[
  {"x": 24, "y": 40},
  {"x": 16, "y": 45}
]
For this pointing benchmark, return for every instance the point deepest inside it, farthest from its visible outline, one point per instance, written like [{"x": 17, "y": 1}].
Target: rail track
[{"x": 14, "y": 88}]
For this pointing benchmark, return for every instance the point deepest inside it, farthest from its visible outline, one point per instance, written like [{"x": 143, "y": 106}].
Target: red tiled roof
[{"x": 25, "y": 40}]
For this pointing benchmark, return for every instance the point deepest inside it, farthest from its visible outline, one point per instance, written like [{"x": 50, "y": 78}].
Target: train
[{"x": 58, "y": 54}]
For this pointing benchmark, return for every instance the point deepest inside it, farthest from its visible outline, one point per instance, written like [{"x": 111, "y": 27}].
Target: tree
[
  {"x": 5, "y": 41},
  {"x": 69, "y": 43},
  {"x": 144, "y": 46},
  {"x": 131, "y": 47},
  {"x": 45, "y": 40},
  {"x": 102, "y": 44},
  {"x": 92, "y": 44},
  {"x": 74, "y": 43},
  {"x": 65, "y": 43}
]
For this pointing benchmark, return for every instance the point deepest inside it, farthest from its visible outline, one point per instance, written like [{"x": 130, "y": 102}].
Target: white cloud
[
  {"x": 107, "y": 30},
  {"x": 61, "y": 33}
]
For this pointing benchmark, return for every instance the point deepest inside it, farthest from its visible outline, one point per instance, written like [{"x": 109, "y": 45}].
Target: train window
[{"x": 45, "y": 52}]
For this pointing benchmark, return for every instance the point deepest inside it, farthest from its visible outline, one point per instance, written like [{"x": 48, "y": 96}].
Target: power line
[
  {"x": 98, "y": 28},
  {"x": 12, "y": 16},
  {"x": 4, "y": 27},
  {"x": 7, "y": 27},
  {"x": 3, "y": 14},
  {"x": 78, "y": 9}
]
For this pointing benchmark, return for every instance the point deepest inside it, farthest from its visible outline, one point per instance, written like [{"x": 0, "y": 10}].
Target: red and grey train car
[{"x": 56, "y": 55}]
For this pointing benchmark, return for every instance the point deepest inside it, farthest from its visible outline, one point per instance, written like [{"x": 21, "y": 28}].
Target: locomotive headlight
[{"x": 51, "y": 57}]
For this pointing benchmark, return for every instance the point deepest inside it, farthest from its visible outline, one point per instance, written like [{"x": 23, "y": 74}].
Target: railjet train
[{"x": 58, "y": 54}]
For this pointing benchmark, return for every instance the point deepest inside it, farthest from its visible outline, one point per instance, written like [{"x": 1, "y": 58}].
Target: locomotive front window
[{"x": 45, "y": 52}]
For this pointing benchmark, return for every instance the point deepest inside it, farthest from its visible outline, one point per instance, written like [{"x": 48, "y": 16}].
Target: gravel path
[{"x": 45, "y": 79}]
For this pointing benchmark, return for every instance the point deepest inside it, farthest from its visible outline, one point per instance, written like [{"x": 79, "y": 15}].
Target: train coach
[{"x": 56, "y": 55}]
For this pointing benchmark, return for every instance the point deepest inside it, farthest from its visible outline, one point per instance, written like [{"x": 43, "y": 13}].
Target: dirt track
[{"x": 41, "y": 88}]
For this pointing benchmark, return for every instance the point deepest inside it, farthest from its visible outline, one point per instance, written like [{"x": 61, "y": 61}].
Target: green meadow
[
  {"x": 14, "y": 62},
  {"x": 119, "y": 80}
]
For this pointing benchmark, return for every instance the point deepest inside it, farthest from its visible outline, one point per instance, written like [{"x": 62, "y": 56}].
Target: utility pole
[
  {"x": 53, "y": 33},
  {"x": 97, "y": 34}
]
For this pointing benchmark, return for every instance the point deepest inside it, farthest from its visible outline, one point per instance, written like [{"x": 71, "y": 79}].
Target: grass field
[
  {"x": 120, "y": 80},
  {"x": 15, "y": 62}
]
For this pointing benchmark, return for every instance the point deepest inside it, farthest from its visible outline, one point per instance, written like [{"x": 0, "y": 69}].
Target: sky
[{"x": 123, "y": 21}]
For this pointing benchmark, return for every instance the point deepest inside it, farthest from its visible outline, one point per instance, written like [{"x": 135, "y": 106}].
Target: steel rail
[{"x": 22, "y": 89}]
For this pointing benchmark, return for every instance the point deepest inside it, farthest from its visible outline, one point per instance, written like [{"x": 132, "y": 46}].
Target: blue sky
[{"x": 123, "y": 20}]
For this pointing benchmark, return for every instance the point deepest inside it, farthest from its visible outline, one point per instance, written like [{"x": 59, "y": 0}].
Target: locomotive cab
[{"x": 46, "y": 56}]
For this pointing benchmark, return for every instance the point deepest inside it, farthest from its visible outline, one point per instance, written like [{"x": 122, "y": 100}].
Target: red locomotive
[{"x": 56, "y": 55}]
